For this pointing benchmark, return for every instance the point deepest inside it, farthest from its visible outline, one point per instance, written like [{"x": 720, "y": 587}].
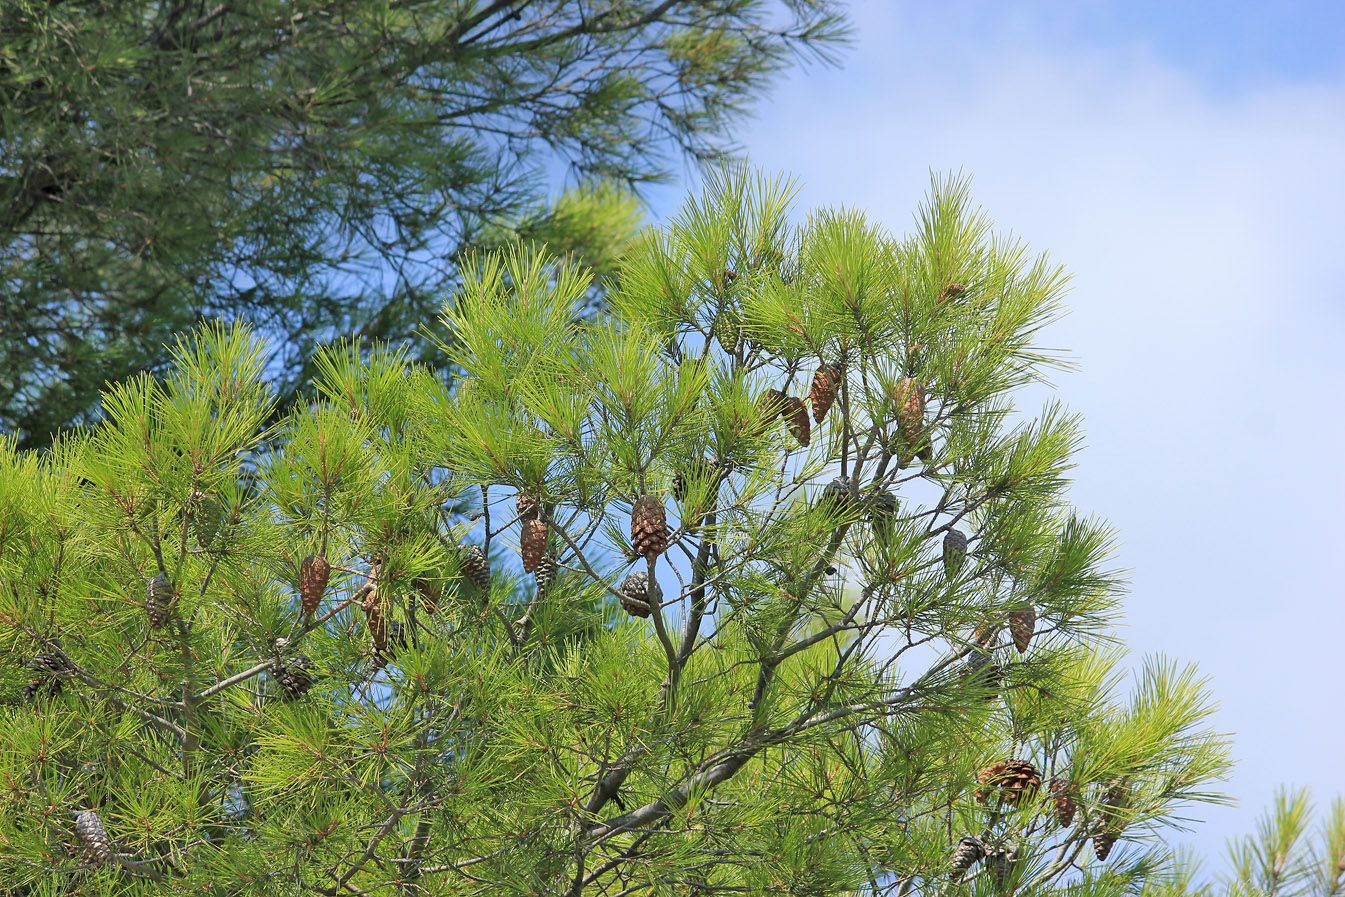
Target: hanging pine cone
[
  {"x": 205, "y": 518},
  {"x": 635, "y": 597},
  {"x": 397, "y": 634},
  {"x": 823, "y": 394},
  {"x": 477, "y": 569},
  {"x": 313, "y": 575},
  {"x": 546, "y": 574},
  {"x": 1014, "y": 778},
  {"x": 965, "y": 854},
  {"x": 883, "y": 509},
  {"x": 1022, "y": 624},
  {"x": 951, "y": 291},
  {"x": 910, "y": 398},
  {"x": 378, "y": 620},
  {"x": 983, "y": 672},
  {"x": 48, "y": 667},
  {"x": 93, "y": 838},
  {"x": 648, "y": 527},
  {"x": 1063, "y": 798},
  {"x": 796, "y": 419},
  {"x": 1110, "y": 822},
  {"x": 532, "y": 544},
  {"x": 954, "y": 552},
  {"x": 770, "y": 406},
  {"x": 836, "y": 497},
  {"x": 430, "y": 593},
  {"x": 1000, "y": 862},
  {"x": 526, "y": 505},
  {"x": 159, "y": 599},
  {"x": 293, "y": 675},
  {"x": 696, "y": 470}
]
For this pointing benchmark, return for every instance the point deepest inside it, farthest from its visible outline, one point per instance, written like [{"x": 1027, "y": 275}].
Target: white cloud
[{"x": 1208, "y": 312}]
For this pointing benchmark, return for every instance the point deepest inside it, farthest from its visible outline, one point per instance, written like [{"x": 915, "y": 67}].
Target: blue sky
[{"x": 1184, "y": 161}]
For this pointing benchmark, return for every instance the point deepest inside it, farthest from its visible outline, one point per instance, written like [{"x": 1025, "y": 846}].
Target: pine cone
[
  {"x": 983, "y": 672},
  {"x": 823, "y": 395},
  {"x": 48, "y": 682},
  {"x": 697, "y": 469},
  {"x": 1110, "y": 822},
  {"x": 836, "y": 497},
  {"x": 796, "y": 419},
  {"x": 1022, "y": 623},
  {"x": 951, "y": 291},
  {"x": 1000, "y": 862},
  {"x": 313, "y": 575},
  {"x": 910, "y": 398},
  {"x": 430, "y": 593},
  {"x": 378, "y": 620},
  {"x": 532, "y": 544},
  {"x": 954, "y": 552},
  {"x": 93, "y": 838},
  {"x": 159, "y": 599},
  {"x": 205, "y": 518},
  {"x": 883, "y": 509},
  {"x": 635, "y": 596},
  {"x": 526, "y": 505},
  {"x": 965, "y": 854},
  {"x": 292, "y": 675},
  {"x": 478, "y": 569},
  {"x": 48, "y": 663},
  {"x": 546, "y": 575},
  {"x": 771, "y": 405},
  {"x": 1063, "y": 798},
  {"x": 1014, "y": 778},
  {"x": 648, "y": 527}
]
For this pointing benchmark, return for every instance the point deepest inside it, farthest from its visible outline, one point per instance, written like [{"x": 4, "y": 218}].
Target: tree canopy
[
  {"x": 756, "y": 582},
  {"x": 319, "y": 168}
]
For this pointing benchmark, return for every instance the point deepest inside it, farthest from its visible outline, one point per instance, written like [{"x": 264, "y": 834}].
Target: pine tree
[
  {"x": 318, "y": 167},
  {"x": 797, "y": 704}
]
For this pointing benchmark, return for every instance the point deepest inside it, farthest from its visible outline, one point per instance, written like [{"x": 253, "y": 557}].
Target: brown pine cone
[
  {"x": 93, "y": 838},
  {"x": 1063, "y": 798},
  {"x": 1110, "y": 822},
  {"x": 910, "y": 398},
  {"x": 770, "y": 405},
  {"x": 526, "y": 505},
  {"x": 965, "y": 854},
  {"x": 378, "y": 621},
  {"x": 313, "y": 576},
  {"x": 476, "y": 568},
  {"x": 159, "y": 599},
  {"x": 648, "y": 527},
  {"x": 430, "y": 594},
  {"x": 635, "y": 594},
  {"x": 796, "y": 419},
  {"x": 1022, "y": 624},
  {"x": 954, "y": 552},
  {"x": 823, "y": 394},
  {"x": 532, "y": 544},
  {"x": 951, "y": 291},
  {"x": 1014, "y": 778}
]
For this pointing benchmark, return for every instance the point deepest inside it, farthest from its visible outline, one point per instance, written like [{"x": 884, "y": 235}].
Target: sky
[{"x": 1186, "y": 162}]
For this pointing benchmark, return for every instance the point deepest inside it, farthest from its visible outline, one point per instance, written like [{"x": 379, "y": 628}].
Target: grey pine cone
[
  {"x": 293, "y": 675},
  {"x": 476, "y": 568},
  {"x": 954, "y": 552},
  {"x": 968, "y": 851},
  {"x": 93, "y": 838},
  {"x": 635, "y": 596},
  {"x": 159, "y": 599}
]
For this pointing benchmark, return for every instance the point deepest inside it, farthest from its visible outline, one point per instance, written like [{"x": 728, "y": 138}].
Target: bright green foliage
[
  {"x": 806, "y": 710},
  {"x": 318, "y": 167}
]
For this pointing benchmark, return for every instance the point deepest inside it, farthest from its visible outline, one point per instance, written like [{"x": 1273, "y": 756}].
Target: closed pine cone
[
  {"x": 48, "y": 666},
  {"x": 159, "y": 599},
  {"x": 477, "y": 569},
  {"x": 430, "y": 593},
  {"x": 954, "y": 552},
  {"x": 796, "y": 419},
  {"x": 93, "y": 838},
  {"x": 648, "y": 527},
  {"x": 526, "y": 505},
  {"x": 965, "y": 854},
  {"x": 823, "y": 394},
  {"x": 546, "y": 575},
  {"x": 635, "y": 596},
  {"x": 1110, "y": 822},
  {"x": 770, "y": 406},
  {"x": 1014, "y": 778},
  {"x": 532, "y": 544},
  {"x": 910, "y": 399},
  {"x": 697, "y": 469},
  {"x": 983, "y": 672},
  {"x": 313, "y": 575},
  {"x": 205, "y": 518},
  {"x": 836, "y": 497},
  {"x": 378, "y": 621},
  {"x": 1022, "y": 624},
  {"x": 951, "y": 291},
  {"x": 1063, "y": 799},
  {"x": 1000, "y": 862}
]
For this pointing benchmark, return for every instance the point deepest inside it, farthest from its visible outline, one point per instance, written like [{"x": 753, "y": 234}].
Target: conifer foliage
[{"x": 753, "y": 686}]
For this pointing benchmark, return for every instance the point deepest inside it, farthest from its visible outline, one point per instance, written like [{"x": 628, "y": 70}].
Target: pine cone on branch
[
  {"x": 954, "y": 552},
  {"x": 48, "y": 667},
  {"x": 1022, "y": 625},
  {"x": 796, "y": 419},
  {"x": 1014, "y": 778},
  {"x": 648, "y": 527},
  {"x": 476, "y": 567},
  {"x": 1062, "y": 796},
  {"x": 159, "y": 599},
  {"x": 965, "y": 855},
  {"x": 527, "y": 506},
  {"x": 546, "y": 574},
  {"x": 314, "y": 573},
  {"x": 532, "y": 544},
  {"x": 771, "y": 405},
  {"x": 293, "y": 675},
  {"x": 1110, "y": 822},
  {"x": 93, "y": 838},
  {"x": 635, "y": 597},
  {"x": 823, "y": 394}
]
